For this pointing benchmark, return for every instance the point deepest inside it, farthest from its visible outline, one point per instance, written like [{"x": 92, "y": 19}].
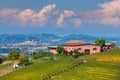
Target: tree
[
  {"x": 112, "y": 45},
  {"x": 2, "y": 58},
  {"x": 76, "y": 53},
  {"x": 1, "y": 61},
  {"x": 59, "y": 49},
  {"x": 23, "y": 58},
  {"x": 47, "y": 54},
  {"x": 13, "y": 55},
  {"x": 35, "y": 56},
  {"x": 40, "y": 53},
  {"x": 100, "y": 42}
]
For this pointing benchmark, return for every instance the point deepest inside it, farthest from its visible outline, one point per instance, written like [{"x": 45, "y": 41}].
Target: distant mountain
[{"x": 51, "y": 38}]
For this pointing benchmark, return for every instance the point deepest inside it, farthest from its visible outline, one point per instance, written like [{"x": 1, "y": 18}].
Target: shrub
[
  {"x": 35, "y": 56},
  {"x": 23, "y": 58},
  {"x": 47, "y": 54},
  {"x": 59, "y": 49},
  {"x": 100, "y": 42},
  {"x": 76, "y": 53},
  {"x": 13, "y": 55},
  {"x": 2, "y": 58}
]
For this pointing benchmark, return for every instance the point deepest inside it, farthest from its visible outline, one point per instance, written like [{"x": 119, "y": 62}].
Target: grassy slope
[
  {"x": 4, "y": 67},
  {"x": 107, "y": 56},
  {"x": 39, "y": 70},
  {"x": 92, "y": 71},
  {"x": 103, "y": 66}
]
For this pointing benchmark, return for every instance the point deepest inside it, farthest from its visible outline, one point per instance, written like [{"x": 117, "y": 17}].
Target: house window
[
  {"x": 79, "y": 48},
  {"x": 94, "y": 48}
]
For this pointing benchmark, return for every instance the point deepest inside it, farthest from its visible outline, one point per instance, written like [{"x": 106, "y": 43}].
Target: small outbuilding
[{"x": 16, "y": 64}]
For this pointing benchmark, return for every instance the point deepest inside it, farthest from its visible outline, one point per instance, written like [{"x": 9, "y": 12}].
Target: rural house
[
  {"x": 81, "y": 46},
  {"x": 16, "y": 64}
]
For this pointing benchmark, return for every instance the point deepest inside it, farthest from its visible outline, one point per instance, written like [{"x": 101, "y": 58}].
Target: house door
[{"x": 87, "y": 51}]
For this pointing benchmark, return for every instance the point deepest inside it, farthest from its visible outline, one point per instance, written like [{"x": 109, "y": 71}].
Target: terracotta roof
[
  {"x": 15, "y": 63},
  {"x": 74, "y": 43}
]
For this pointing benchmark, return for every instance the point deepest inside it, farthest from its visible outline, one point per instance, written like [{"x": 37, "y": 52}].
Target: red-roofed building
[
  {"x": 16, "y": 64},
  {"x": 81, "y": 46}
]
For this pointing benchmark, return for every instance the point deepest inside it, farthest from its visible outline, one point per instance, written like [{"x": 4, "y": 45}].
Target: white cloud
[
  {"x": 65, "y": 14},
  {"x": 25, "y": 16},
  {"x": 7, "y": 12},
  {"x": 108, "y": 14},
  {"x": 29, "y": 16},
  {"x": 48, "y": 14},
  {"x": 7, "y": 15},
  {"x": 77, "y": 21}
]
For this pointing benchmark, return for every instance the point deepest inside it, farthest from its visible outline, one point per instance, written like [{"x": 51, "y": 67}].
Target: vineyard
[
  {"x": 92, "y": 71},
  {"x": 40, "y": 70},
  {"x": 101, "y": 66}
]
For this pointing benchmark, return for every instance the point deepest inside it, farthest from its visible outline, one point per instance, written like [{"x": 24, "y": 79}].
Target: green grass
[
  {"x": 101, "y": 66},
  {"x": 106, "y": 56},
  {"x": 4, "y": 65},
  {"x": 40, "y": 70},
  {"x": 92, "y": 71}
]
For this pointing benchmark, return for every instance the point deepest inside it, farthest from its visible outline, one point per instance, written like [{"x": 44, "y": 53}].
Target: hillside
[
  {"x": 53, "y": 39},
  {"x": 101, "y": 66}
]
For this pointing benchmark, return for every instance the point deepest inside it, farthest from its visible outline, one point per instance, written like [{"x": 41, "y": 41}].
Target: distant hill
[{"x": 51, "y": 38}]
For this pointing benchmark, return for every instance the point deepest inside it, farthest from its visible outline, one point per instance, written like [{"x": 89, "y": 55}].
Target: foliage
[
  {"x": 59, "y": 49},
  {"x": 101, "y": 66},
  {"x": 39, "y": 70},
  {"x": 23, "y": 58},
  {"x": 47, "y": 54},
  {"x": 2, "y": 58},
  {"x": 40, "y": 53},
  {"x": 61, "y": 55},
  {"x": 13, "y": 55},
  {"x": 100, "y": 42},
  {"x": 35, "y": 56},
  {"x": 1, "y": 61},
  {"x": 113, "y": 45},
  {"x": 76, "y": 53}
]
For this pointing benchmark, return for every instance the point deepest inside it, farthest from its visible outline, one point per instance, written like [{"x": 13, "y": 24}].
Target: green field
[
  {"x": 101, "y": 66},
  {"x": 40, "y": 70},
  {"x": 106, "y": 56},
  {"x": 92, "y": 71},
  {"x": 6, "y": 68}
]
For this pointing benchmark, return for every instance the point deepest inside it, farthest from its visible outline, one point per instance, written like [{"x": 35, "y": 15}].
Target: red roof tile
[
  {"x": 74, "y": 42},
  {"x": 15, "y": 63}
]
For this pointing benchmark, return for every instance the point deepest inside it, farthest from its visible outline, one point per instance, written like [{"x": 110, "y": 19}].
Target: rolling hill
[
  {"x": 101, "y": 66},
  {"x": 51, "y": 38}
]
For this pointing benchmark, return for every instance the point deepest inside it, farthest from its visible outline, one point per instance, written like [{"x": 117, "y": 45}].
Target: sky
[{"x": 89, "y": 17}]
